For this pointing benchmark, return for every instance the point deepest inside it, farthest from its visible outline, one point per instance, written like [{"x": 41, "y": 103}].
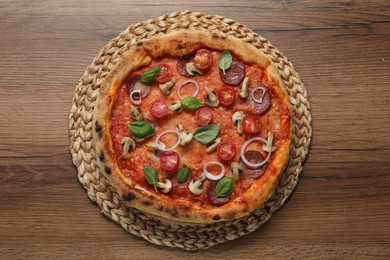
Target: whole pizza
[{"x": 193, "y": 127}]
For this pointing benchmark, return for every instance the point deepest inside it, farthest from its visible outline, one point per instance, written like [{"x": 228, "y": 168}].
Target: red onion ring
[
  {"x": 245, "y": 145},
  {"x": 211, "y": 176},
  {"x": 185, "y": 83},
  {"x": 262, "y": 95},
  {"x": 170, "y": 148},
  {"x": 136, "y": 102}
]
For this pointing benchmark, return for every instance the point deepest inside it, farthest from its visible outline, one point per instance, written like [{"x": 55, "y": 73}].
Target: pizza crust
[{"x": 177, "y": 44}]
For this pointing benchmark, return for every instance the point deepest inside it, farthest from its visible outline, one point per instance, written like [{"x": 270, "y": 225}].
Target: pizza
[{"x": 193, "y": 127}]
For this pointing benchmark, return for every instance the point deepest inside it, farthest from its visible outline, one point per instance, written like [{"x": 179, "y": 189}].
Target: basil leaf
[
  {"x": 224, "y": 187},
  {"x": 141, "y": 129},
  {"x": 225, "y": 61},
  {"x": 150, "y": 74},
  {"x": 206, "y": 134},
  {"x": 151, "y": 175},
  {"x": 191, "y": 103},
  {"x": 182, "y": 175}
]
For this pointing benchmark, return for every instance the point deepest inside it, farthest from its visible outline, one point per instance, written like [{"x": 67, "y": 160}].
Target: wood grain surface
[{"x": 341, "y": 207}]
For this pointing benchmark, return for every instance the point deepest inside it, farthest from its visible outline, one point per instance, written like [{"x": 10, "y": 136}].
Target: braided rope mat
[{"x": 188, "y": 237}]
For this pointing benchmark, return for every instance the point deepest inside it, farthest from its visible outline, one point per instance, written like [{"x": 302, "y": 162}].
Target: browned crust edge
[{"x": 177, "y": 44}]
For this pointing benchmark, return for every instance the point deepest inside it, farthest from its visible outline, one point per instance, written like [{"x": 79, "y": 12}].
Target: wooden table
[{"x": 341, "y": 207}]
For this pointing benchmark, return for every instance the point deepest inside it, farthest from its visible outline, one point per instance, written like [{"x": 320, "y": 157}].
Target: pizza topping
[
  {"x": 141, "y": 129},
  {"x": 165, "y": 185},
  {"x": 251, "y": 124},
  {"x": 169, "y": 161},
  {"x": 227, "y": 96},
  {"x": 213, "y": 145},
  {"x": 181, "y": 64},
  {"x": 127, "y": 143},
  {"x": 176, "y": 106},
  {"x": 165, "y": 73},
  {"x": 214, "y": 198},
  {"x": 206, "y": 134},
  {"x": 256, "y": 107},
  {"x": 196, "y": 186},
  {"x": 192, "y": 70},
  {"x": 203, "y": 59},
  {"x": 254, "y": 157},
  {"x": 236, "y": 169},
  {"x": 237, "y": 120},
  {"x": 138, "y": 99},
  {"x": 269, "y": 147},
  {"x": 243, "y": 91},
  {"x": 245, "y": 159},
  {"x": 226, "y": 150},
  {"x": 183, "y": 174},
  {"x": 211, "y": 98},
  {"x": 151, "y": 175},
  {"x": 150, "y": 74},
  {"x": 185, "y": 136},
  {"x": 158, "y": 108},
  {"x": 258, "y": 100},
  {"x": 155, "y": 149},
  {"x": 157, "y": 142},
  {"x": 166, "y": 87},
  {"x": 225, "y": 61},
  {"x": 210, "y": 175},
  {"x": 191, "y": 103},
  {"x": 224, "y": 187},
  {"x": 186, "y": 83},
  {"x": 235, "y": 74},
  {"x": 135, "y": 83},
  {"x": 203, "y": 116},
  {"x": 136, "y": 113}
]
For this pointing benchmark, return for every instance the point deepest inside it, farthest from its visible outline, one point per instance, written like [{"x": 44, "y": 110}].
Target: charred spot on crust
[
  {"x": 98, "y": 127},
  {"x": 146, "y": 203},
  {"x": 107, "y": 169},
  {"x": 184, "y": 208},
  {"x": 101, "y": 157},
  {"x": 216, "y": 217},
  {"x": 129, "y": 196},
  {"x": 180, "y": 46},
  {"x": 139, "y": 44},
  {"x": 216, "y": 37},
  {"x": 161, "y": 208}
]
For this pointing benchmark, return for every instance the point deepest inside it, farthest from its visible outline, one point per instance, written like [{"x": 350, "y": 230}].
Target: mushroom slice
[
  {"x": 136, "y": 113},
  {"x": 269, "y": 147},
  {"x": 237, "y": 120},
  {"x": 156, "y": 149},
  {"x": 196, "y": 186},
  {"x": 176, "y": 106},
  {"x": 211, "y": 99},
  {"x": 236, "y": 169},
  {"x": 213, "y": 145},
  {"x": 192, "y": 70},
  {"x": 185, "y": 136},
  {"x": 165, "y": 186},
  {"x": 243, "y": 91},
  {"x": 166, "y": 87},
  {"x": 127, "y": 143}
]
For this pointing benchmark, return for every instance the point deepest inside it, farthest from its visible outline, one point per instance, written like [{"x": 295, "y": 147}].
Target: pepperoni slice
[
  {"x": 259, "y": 108},
  {"x": 251, "y": 124},
  {"x": 165, "y": 73},
  {"x": 139, "y": 140},
  {"x": 158, "y": 108},
  {"x": 235, "y": 74},
  {"x": 203, "y": 116},
  {"x": 254, "y": 157},
  {"x": 213, "y": 195},
  {"x": 134, "y": 83},
  {"x": 181, "y": 64},
  {"x": 169, "y": 161},
  {"x": 226, "y": 150}
]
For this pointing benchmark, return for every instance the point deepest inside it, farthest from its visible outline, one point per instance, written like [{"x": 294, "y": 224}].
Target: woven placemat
[{"x": 188, "y": 237}]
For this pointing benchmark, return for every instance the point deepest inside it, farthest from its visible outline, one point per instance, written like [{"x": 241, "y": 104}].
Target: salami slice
[
  {"x": 254, "y": 157},
  {"x": 213, "y": 195},
  {"x": 259, "y": 108},
  {"x": 181, "y": 64},
  {"x": 235, "y": 74},
  {"x": 134, "y": 83},
  {"x": 139, "y": 140}
]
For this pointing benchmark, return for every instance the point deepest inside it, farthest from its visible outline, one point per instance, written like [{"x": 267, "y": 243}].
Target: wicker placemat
[{"x": 154, "y": 230}]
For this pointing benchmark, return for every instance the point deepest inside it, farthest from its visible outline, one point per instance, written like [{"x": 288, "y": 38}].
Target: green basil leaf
[
  {"x": 206, "y": 134},
  {"x": 224, "y": 187},
  {"x": 225, "y": 61},
  {"x": 150, "y": 175},
  {"x": 182, "y": 175},
  {"x": 191, "y": 103},
  {"x": 150, "y": 74},
  {"x": 141, "y": 129}
]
